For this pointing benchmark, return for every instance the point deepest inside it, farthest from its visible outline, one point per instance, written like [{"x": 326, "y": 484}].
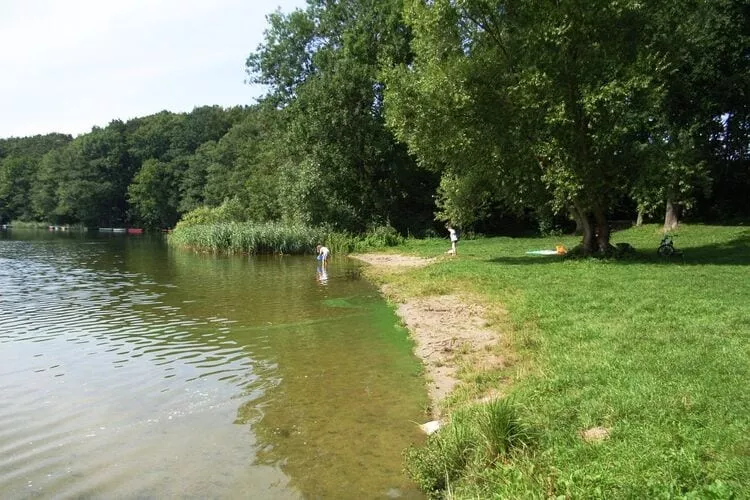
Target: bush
[
  {"x": 474, "y": 439},
  {"x": 378, "y": 237},
  {"x": 229, "y": 211}
]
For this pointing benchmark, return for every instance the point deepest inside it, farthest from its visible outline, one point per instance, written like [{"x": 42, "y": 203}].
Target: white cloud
[{"x": 68, "y": 66}]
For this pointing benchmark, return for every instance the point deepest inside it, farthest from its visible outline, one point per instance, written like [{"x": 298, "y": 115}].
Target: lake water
[{"x": 129, "y": 369}]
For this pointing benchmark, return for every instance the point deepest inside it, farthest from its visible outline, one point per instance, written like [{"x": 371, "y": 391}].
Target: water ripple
[{"x": 95, "y": 361}]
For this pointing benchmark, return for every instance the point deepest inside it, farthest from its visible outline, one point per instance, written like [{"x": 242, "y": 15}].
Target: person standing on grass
[
  {"x": 323, "y": 254},
  {"x": 454, "y": 238}
]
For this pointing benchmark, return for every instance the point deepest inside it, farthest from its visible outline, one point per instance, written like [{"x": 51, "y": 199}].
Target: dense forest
[{"x": 486, "y": 113}]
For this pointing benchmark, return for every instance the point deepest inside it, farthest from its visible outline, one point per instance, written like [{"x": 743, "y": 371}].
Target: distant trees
[
  {"x": 19, "y": 162},
  {"x": 125, "y": 173}
]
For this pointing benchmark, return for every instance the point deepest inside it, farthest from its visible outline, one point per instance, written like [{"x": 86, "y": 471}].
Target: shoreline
[{"x": 448, "y": 330}]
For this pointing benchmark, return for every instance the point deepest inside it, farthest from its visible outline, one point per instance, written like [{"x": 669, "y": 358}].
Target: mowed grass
[{"x": 654, "y": 352}]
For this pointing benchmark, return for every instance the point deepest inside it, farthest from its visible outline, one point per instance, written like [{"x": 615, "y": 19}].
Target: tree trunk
[
  {"x": 577, "y": 218},
  {"x": 595, "y": 228},
  {"x": 602, "y": 232},
  {"x": 671, "y": 219},
  {"x": 587, "y": 228},
  {"x": 588, "y": 236},
  {"x": 639, "y": 219}
]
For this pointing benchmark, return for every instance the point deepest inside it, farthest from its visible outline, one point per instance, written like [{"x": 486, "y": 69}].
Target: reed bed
[
  {"x": 276, "y": 238},
  {"x": 248, "y": 238}
]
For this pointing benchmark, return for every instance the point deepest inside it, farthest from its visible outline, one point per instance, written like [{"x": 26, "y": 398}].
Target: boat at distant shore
[{"x": 129, "y": 230}]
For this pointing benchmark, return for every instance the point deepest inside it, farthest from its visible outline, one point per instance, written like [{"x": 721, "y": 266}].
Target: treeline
[
  {"x": 133, "y": 173},
  {"x": 400, "y": 112}
]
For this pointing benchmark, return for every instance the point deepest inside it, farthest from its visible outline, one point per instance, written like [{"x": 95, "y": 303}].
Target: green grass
[
  {"x": 656, "y": 351},
  {"x": 477, "y": 437}
]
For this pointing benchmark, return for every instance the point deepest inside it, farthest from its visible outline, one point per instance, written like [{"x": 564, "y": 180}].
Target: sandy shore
[{"x": 445, "y": 328}]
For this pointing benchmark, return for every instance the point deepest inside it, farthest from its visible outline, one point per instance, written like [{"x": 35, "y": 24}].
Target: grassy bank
[{"x": 651, "y": 354}]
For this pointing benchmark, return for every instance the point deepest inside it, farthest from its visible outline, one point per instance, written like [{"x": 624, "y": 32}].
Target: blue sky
[{"x": 68, "y": 66}]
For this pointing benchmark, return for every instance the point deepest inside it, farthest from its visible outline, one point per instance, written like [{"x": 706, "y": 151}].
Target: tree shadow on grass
[{"x": 734, "y": 252}]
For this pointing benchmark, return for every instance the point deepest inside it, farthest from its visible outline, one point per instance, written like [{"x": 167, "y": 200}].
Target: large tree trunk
[
  {"x": 671, "y": 218},
  {"x": 595, "y": 227},
  {"x": 583, "y": 219},
  {"x": 577, "y": 218},
  {"x": 588, "y": 235},
  {"x": 639, "y": 219},
  {"x": 602, "y": 231}
]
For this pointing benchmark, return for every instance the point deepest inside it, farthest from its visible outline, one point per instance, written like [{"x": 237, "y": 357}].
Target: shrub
[
  {"x": 378, "y": 237},
  {"x": 475, "y": 437},
  {"x": 229, "y": 211}
]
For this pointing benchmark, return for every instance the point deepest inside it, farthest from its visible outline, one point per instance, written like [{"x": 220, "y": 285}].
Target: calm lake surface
[{"x": 129, "y": 369}]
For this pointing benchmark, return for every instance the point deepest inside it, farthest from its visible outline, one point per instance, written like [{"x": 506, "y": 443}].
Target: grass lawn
[{"x": 655, "y": 352}]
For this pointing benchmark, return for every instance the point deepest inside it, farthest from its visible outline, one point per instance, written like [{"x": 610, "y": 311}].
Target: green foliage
[
  {"x": 501, "y": 429},
  {"x": 21, "y": 224},
  {"x": 340, "y": 243},
  {"x": 336, "y": 162},
  {"x": 386, "y": 111},
  {"x": 151, "y": 196},
  {"x": 475, "y": 438},
  {"x": 19, "y": 163},
  {"x": 375, "y": 238},
  {"x": 553, "y": 105},
  {"x": 231, "y": 210},
  {"x": 14, "y": 182},
  {"x": 379, "y": 237},
  {"x": 462, "y": 200}
]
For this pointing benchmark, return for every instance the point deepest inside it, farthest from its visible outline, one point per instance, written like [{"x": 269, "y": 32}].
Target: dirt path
[
  {"x": 394, "y": 261},
  {"x": 446, "y": 329}
]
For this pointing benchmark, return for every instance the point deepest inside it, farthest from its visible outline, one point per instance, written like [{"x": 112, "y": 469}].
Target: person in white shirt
[
  {"x": 454, "y": 238},
  {"x": 323, "y": 254}
]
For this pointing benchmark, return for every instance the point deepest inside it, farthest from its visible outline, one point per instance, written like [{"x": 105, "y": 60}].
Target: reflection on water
[
  {"x": 128, "y": 369},
  {"x": 322, "y": 274}
]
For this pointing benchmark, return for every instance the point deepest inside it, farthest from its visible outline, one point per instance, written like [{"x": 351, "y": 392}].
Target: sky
[{"x": 68, "y": 66}]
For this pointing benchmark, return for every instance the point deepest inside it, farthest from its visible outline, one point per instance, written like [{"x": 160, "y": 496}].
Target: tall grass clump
[{"x": 476, "y": 437}]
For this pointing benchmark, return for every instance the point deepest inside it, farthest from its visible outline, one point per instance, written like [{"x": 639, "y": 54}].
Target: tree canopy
[
  {"x": 404, "y": 112},
  {"x": 561, "y": 105}
]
